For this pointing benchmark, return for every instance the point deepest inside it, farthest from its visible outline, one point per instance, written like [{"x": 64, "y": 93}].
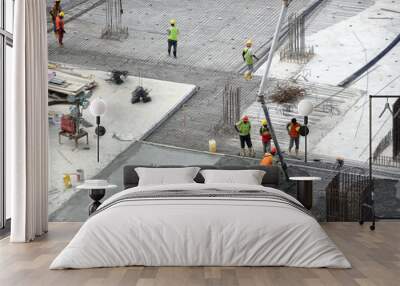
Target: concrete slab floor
[
  {"x": 359, "y": 39},
  {"x": 124, "y": 122},
  {"x": 200, "y": 115},
  {"x": 212, "y": 33}
]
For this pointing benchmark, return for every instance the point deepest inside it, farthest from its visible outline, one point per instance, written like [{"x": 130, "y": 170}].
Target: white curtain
[{"x": 27, "y": 123}]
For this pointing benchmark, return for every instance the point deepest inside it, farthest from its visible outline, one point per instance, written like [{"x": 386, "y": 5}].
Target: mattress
[{"x": 201, "y": 225}]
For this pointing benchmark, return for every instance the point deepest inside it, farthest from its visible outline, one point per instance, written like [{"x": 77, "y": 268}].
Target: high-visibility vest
[
  {"x": 244, "y": 128},
  {"x": 59, "y": 24},
  {"x": 173, "y": 33},
  {"x": 248, "y": 56},
  {"x": 294, "y": 130}
]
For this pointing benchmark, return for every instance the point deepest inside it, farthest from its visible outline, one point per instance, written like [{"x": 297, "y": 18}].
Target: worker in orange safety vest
[
  {"x": 268, "y": 160},
  {"x": 293, "y": 129},
  {"x": 60, "y": 28},
  {"x": 55, "y": 10}
]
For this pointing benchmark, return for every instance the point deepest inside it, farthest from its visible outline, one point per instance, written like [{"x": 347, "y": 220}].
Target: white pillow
[
  {"x": 166, "y": 176},
  {"x": 248, "y": 177}
]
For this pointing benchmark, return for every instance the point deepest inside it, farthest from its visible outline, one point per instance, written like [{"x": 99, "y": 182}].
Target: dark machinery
[
  {"x": 71, "y": 123},
  {"x": 117, "y": 77},
  {"x": 140, "y": 93}
]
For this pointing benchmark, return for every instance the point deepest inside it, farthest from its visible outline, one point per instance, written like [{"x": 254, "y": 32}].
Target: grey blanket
[{"x": 207, "y": 194}]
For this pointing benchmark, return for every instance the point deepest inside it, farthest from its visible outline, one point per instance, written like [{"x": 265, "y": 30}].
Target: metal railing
[
  {"x": 383, "y": 144},
  {"x": 345, "y": 195},
  {"x": 381, "y": 160},
  {"x": 386, "y": 161}
]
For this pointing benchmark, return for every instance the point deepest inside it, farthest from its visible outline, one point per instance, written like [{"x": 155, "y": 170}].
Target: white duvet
[{"x": 193, "y": 231}]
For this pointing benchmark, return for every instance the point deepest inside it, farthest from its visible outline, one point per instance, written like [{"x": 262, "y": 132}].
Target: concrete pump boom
[{"x": 261, "y": 90}]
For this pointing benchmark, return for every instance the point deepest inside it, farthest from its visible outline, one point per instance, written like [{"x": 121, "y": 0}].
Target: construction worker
[
  {"x": 173, "y": 33},
  {"x": 293, "y": 129},
  {"x": 265, "y": 136},
  {"x": 248, "y": 56},
  {"x": 60, "y": 28},
  {"x": 268, "y": 160},
  {"x": 55, "y": 10},
  {"x": 244, "y": 128}
]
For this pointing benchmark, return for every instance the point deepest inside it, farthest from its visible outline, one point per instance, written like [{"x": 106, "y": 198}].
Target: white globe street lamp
[
  {"x": 98, "y": 108},
  {"x": 305, "y": 108}
]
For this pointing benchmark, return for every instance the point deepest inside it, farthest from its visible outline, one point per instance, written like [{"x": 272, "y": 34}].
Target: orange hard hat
[{"x": 245, "y": 118}]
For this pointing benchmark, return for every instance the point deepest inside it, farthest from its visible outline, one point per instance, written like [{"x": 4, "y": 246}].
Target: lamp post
[
  {"x": 98, "y": 108},
  {"x": 305, "y": 107}
]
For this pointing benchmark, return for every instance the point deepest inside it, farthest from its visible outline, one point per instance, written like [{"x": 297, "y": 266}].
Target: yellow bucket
[
  {"x": 67, "y": 181},
  {"x": 212, "y": 146}
]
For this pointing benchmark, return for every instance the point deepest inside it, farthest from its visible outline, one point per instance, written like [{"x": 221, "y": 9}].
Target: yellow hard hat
[
  {"x": 264, "y": 122},
  {"x": 249, "y": 42},
  {"x": 172, "y": 21},
  {"x": 267, "y": 154},
  {"x": 61, "y": 14}
]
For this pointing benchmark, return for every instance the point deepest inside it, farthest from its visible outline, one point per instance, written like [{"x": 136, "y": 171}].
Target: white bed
[{"x": 202, "y": 231}]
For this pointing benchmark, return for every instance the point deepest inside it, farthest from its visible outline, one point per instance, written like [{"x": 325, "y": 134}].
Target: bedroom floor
[{"x": 375, "y": 257}]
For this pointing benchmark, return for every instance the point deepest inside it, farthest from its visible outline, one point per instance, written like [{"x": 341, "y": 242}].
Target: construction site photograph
[{"x": 311, "y": 86}]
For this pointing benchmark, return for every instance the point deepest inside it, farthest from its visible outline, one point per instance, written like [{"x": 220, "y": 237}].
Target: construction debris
[
  {"x": 62, "y": 84},
  {"x": 140, "y": 93},
  {"x": 287, "y": 94},
  {"x": 117, "y": 76}
]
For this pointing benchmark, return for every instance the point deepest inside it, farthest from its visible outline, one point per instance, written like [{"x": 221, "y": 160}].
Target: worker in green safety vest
[
  {"x": 244, "y": 128},
  {"x": 173, "y": 33},
  {"x": 249, "y": 57}
]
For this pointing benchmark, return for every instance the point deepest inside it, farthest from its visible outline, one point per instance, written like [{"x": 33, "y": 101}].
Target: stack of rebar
[
  {"x": 231, "y": 104},
  {"x": 113, "y": 28}
]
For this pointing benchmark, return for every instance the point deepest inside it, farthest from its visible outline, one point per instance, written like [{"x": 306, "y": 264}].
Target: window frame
[{"x": 6, "y": 39}]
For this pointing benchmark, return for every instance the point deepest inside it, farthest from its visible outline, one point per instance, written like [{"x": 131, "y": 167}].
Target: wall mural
[{"x": 207, "y": 84}]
